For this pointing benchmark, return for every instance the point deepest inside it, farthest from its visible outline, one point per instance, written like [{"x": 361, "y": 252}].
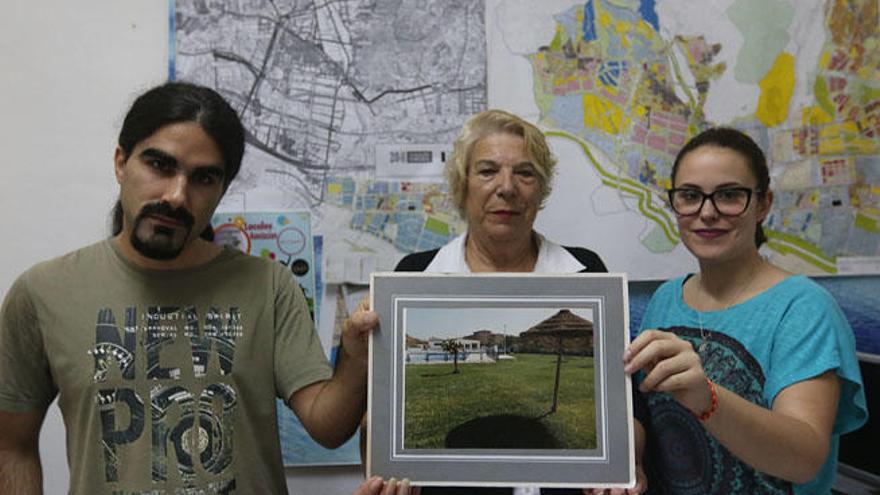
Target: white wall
[{"x": 68, "y": 71}]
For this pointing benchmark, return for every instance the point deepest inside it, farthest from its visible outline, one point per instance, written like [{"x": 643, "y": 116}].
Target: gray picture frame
[{"x": 411, "y": 307}]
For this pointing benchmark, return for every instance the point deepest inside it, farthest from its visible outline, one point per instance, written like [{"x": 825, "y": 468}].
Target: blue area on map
[
  {"x": 633, "y": 159},
  {"x": 609, "y": 72},
  {"x": 408, "y": 203},
  {"x": 868, "y": 166},
  {"x": 430, "y": 240},
  {"x": 378, "y": 188},
  {"x": 377, "y": 223},
  {"x": 622, "y": 13},
  {"x": 568, "y": 21},
  {"x": 409, "y": 228},
  {"x": 603, "y": 141},
  {"x": 567, "y": 111},
  {"x": 616, "y": 47},
  {"x": 357, "y": 220},
  {"x": 346, "y": 196},
  {"x": 649, "y": 14},
  {"x": 589, "y": 25},
  {"x": 370, "y": 202}
]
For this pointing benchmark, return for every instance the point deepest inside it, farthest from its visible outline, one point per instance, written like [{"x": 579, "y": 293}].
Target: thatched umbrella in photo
[{"x": 550, "y": 334}]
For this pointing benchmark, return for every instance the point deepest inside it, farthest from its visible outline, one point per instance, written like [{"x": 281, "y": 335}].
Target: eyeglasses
[{"x": 729, "y": 201}]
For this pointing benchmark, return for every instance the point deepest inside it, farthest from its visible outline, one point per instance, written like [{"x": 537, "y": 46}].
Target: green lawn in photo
[{"x": 438, "y": 400}]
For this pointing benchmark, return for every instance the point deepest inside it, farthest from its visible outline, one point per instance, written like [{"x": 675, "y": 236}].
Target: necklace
[{"x": 704, "y": 337}]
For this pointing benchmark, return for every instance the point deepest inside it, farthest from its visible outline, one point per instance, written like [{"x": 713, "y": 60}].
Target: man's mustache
[{"x": 164, "y": 209}]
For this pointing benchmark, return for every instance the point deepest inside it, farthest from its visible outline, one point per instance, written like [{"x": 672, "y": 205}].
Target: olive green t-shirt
[{"x": 166, "y": 379}]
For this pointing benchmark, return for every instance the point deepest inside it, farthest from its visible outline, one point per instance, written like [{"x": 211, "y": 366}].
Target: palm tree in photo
[{"x": 453, "y": 347}]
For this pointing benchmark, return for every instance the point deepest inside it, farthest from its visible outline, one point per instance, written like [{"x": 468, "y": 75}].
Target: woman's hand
[
  {"x": 641, "y": 486},
  {"x": 377, "y": 486},
  {"x": 670, "y": 365}
]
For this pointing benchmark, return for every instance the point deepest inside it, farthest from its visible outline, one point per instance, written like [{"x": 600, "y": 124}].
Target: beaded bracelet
[{"x": 714, "y": 404}]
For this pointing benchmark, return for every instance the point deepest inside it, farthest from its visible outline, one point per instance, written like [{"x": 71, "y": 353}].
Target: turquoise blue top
[{"x": 791, "y": 332}]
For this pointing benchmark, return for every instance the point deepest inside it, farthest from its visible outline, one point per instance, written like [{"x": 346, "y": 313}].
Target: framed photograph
[{"x": 500, "y": 380}]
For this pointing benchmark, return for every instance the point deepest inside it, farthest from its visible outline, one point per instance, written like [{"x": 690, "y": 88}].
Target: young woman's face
[{"x": 710, "y": 234}]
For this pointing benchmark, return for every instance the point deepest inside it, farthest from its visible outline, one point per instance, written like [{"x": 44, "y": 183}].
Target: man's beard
[{"x": 160, "y": 244}]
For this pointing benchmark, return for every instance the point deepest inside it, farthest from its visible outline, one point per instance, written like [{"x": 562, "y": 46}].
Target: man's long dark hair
[{"x": 174, "y": 102}]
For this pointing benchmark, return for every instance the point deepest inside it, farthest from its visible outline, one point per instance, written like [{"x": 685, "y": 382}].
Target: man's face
[{"x": 170, "y": 185}]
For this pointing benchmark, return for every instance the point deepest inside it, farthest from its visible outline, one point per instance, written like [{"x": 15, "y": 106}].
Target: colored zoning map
[
  {"x": 629, "y": 81},
  {"x": 328, "y": 92}
]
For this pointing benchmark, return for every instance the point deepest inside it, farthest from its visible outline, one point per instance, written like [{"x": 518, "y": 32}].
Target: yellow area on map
[
  {"x": 868, "y": 94},
  {"x": 645, "y": 30},
  {"x": 604, "y": 115},
  {"x": 845, "y": 137},
  {"x": 815, "y": 115},
  {"x": 334, "y": 188},
  {"x": 556, "y": 44},
  {"x": 867, "y": 223},
  {"x": 776, "y": 90},
  {"x": 823, "y": 97},
  {"x": 824, "y": 59},
  {"x": 622, "y": 29},
  {"x": 437, "y": 226},
  {"x": 665, "y": 183}
]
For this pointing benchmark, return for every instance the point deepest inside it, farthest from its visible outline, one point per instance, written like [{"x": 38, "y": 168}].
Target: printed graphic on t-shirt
[
  {"x": 690, "y": 461},
  {"x": 170, "y": 386}
]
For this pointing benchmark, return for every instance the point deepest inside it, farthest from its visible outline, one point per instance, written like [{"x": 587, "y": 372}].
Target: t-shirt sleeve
[
  {"x": 299, "y": 356},
  {"x": 814, "y": 337},
  {"x": 26, "y": 382}
]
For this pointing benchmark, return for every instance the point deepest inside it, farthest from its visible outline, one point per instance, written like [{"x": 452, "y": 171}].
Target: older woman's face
[{"x": 503, "y": 188}]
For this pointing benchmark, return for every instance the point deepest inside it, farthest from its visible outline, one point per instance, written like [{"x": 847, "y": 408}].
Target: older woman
[
  {"x": 499, "y": 176},
  {"x": 749, "y": 371}
]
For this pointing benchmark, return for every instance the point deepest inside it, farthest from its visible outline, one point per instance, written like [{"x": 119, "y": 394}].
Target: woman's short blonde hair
[{"x": 491, "y": 122}]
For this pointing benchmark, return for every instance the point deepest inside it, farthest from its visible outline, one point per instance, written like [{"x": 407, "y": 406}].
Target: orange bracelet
[{"x": 713, "y": 406}]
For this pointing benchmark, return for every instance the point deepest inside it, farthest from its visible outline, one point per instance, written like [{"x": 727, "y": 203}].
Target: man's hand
[{"x": 356, "y": 331}]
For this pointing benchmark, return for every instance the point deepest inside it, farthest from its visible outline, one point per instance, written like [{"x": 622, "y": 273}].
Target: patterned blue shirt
[{"x": 791, "y": 332}]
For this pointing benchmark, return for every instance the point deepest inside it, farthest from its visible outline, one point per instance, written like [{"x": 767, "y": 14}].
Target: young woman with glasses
[{"x": 749, "y": 371}]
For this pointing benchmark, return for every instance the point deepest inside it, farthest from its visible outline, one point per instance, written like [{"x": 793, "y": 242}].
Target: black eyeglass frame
[{"x": 711, "y": 197}]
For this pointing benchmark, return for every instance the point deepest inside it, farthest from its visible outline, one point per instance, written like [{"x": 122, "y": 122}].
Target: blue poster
[{"x": 286, "y": 238}]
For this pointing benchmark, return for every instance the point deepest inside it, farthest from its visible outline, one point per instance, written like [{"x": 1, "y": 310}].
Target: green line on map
[
  {"x": 646, "y": 206},
  {"x": 789, "y": 244}
]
